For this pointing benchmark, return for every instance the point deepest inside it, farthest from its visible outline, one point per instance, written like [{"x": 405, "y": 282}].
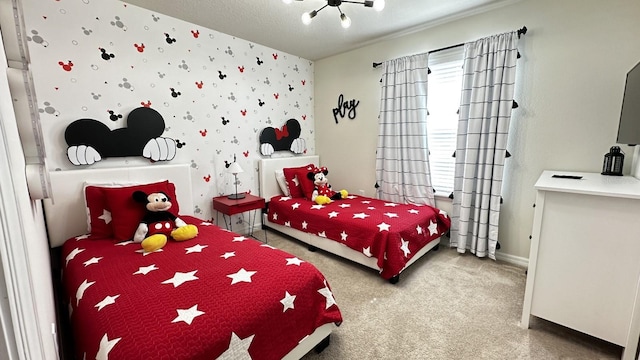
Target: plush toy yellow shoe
[
  {"x": 343, "y": 194},
  {"x": 183, "y": 233},
  {"x": 322, "y": 200},
  {"x": 154, "y": 242}
]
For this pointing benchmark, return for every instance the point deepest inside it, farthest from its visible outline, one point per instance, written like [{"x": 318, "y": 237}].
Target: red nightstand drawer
[{"x": 231, "y": 206}]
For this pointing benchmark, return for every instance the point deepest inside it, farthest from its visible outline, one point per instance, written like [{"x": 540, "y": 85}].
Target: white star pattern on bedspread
[
  {"x": 241, "y": 276},
  {"x": 360, "y": 216},
  {"x": 433, "y": 228},
  {"x": 145, "y": 253},
  {"x": 93, "y": 260},
  {"x": 384, "y": 226},
  {"x": 105, "y": 347},
  {"x": 238, "y": 349},
  {"x": 294, "y": 261},
  {"x": 107, "y": 301},
  {"x": 144, "y": 270},
  {"x": 187, "y": 315},
  {"x": 180, "y": 278},
  {"x": 287, "y": 301},
  {"x": 73, "y": 254},
  {"x": 195, "y": 248},
  {"x": 83, "y": 287},
  {"x": 228, "y": 254},
  {"x": 405, "y": 247},
  {"x": 328, "y": 295}
]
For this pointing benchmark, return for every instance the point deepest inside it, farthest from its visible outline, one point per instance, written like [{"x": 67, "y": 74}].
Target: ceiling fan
[{"x": 345, "y": 21}]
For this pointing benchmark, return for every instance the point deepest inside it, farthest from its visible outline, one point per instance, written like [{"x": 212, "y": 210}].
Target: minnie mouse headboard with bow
[{"x": 286, "y": 138}]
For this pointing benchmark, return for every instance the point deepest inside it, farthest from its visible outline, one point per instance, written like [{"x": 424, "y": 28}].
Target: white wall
[{"x": 571, "y": 79}]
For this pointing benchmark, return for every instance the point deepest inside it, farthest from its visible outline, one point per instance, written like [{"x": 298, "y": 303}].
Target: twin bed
[
  {"x": 219, "y": 295},
  {"x": 381, "y": 235}
]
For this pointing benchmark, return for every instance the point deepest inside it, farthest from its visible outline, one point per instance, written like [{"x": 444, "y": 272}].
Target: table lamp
[{"x": 234, "y": 168}]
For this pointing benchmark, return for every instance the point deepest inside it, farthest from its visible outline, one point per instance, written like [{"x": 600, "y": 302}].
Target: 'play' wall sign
[{"x": 345, "y": 108}]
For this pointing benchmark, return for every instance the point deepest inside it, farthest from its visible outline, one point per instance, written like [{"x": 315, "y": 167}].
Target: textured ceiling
[{"x": 277, "y": 25}]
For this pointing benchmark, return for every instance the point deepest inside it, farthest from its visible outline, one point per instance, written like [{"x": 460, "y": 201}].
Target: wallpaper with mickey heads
[{"x": 101, "y": 59}]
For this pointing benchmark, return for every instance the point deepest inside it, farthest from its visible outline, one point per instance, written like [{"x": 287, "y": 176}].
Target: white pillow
[{"x": 282, "y": 182}]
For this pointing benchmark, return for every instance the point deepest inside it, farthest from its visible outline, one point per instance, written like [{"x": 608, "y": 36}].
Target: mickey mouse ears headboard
[{"x": 90, "y": 140}]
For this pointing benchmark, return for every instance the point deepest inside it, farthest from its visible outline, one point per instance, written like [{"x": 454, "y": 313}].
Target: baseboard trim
[
  {"x": 512, "y": 259},
  {"x": 507, "y": 258}
]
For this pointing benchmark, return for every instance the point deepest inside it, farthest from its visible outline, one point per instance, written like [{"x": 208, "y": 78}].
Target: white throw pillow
[{"x": 282, "y": 182}]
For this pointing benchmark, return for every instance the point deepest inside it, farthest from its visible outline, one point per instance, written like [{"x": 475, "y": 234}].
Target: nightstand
[{"x": 228, "y": 207}]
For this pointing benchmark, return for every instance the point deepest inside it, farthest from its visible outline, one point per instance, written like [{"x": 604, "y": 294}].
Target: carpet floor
[{"x": 446, "y": 306}]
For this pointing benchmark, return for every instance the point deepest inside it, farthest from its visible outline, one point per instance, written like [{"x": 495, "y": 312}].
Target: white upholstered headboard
[
  {"x": 65, "y": 212},
  {"x": 267, "y": 167}
]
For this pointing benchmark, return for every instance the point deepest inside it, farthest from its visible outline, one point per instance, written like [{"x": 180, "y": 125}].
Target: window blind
[{"x": 443, "y": 101}]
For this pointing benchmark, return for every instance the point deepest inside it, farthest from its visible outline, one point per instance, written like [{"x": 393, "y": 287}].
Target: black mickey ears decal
[
  {"x": 105, "y": 55},
  {"x": 287, "y": 138},
  {"x": 90, "y": 140}
]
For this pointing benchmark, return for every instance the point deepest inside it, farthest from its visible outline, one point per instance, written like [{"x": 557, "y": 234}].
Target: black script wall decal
[{"x": 345, "y": 108}]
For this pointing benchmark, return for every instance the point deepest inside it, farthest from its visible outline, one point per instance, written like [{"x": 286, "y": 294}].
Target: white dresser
[{"x": 584, "y": 262}]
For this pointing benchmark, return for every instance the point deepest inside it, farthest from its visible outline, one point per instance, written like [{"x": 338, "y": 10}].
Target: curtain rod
[{"x": 521, "y": 31}]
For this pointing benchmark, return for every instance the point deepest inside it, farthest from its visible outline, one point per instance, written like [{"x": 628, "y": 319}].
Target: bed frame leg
[
  {"x": 312, "y": 248},
  {"x": 395, "y": 279},
  {"x": 322, "y": 344},
  {"x": 436, "y": 248}
]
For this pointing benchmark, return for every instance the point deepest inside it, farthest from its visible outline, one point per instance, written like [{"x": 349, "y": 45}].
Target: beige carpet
[{"x": 442, "y": 308}]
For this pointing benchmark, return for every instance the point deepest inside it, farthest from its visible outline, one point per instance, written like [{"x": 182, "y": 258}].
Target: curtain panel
[
  {"x": 489, "y": 73},
  {"x": 402, "y": 162}
]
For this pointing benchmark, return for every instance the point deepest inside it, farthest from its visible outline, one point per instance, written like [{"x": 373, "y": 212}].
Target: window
[{"x": 443, "y": 102}]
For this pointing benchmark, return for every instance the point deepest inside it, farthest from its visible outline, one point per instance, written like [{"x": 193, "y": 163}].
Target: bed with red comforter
[
  {"x": 391, "y": 233},
  {"x": 219, "y": 295}
]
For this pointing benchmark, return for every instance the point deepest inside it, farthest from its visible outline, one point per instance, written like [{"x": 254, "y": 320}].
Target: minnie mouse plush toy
[{"x": 322, "y": 192}]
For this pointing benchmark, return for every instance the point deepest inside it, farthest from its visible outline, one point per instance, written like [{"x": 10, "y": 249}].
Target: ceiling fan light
[
  {"x": 378, "y": 5},
  {"x": 345, "y": 21}
]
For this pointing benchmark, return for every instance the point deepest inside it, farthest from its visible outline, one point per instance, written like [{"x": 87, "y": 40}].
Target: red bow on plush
[
  {"x": 319, "y": 169},
  {"x": 282, "y": 133}
]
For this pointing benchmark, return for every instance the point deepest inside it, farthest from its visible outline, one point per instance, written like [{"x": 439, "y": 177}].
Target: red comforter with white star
[
  {"x": 217, "y": 295},
  {"x": 390, "y": 232}
]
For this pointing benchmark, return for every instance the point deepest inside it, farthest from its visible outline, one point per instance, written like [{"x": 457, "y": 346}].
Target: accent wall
[{"x": 102, "y": 59}]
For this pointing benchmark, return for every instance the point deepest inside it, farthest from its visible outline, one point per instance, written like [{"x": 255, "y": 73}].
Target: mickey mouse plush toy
[
  {"x": 322, "y": 193},
  {"x": 158, "y": 222}
]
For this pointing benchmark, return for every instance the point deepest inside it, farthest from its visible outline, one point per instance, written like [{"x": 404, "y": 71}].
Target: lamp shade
[{"x": 234, "y": 168}]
